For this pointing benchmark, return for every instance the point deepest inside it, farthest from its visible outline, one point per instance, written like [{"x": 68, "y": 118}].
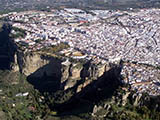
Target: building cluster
[
  {"x": 100, "y": 34},
  {"x": 142, "y": 78}
]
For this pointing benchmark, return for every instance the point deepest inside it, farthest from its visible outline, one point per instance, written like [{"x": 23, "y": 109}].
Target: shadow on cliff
[
  {"x": 69, "y": 102},
  {"x": 103, "y": 87},
  {"x": 98, "y": 90},
  {"x": 7, "y": 48},
  {"x": 48, "y": 77}
]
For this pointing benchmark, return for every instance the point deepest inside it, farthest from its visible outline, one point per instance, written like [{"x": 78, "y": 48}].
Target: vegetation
[
  {"x": 16, "y": 106},
  {"x": 6, "y": 11},
  {"x": 46, "y": 105},
  {"x": 55, "y": 48},
  {"x": 18, "y": 33},
  {"x": 130, "y": 112},
  {"x": 38, "y": 40}
]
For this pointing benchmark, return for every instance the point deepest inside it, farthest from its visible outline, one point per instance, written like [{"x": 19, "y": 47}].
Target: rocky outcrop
[
  {"x": 30, "y": 62},
  {"x": 36, "y": 64},
  {"x": 69, "y": 73},
  {"x": 122, "y": 103}
]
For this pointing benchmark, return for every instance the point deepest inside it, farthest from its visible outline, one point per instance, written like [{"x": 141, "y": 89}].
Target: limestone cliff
[{"x": 36, "y": 65}]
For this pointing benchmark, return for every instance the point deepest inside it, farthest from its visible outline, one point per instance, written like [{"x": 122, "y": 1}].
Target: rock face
[
  {"x": 69, "y": 73},
  {"x": 31, "y": 62},
  {"x": 121, "y": 100},
  {"x": 48, "y": 69}
]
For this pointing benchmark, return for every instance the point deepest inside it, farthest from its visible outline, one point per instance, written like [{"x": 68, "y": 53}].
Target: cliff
[{"x": 67, "y": 73}]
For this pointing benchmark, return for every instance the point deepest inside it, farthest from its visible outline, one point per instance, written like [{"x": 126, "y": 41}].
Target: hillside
[{"x": 19, "y": 5}]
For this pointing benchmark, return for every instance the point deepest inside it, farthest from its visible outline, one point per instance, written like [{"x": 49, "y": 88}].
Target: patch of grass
[{"x": 57, "y": 48}]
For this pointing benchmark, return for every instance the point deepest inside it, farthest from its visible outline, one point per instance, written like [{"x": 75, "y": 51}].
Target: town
[{"x": 99, "y": 35}]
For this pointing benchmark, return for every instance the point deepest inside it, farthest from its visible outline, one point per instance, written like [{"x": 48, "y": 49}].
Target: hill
[{"x": 19, "y": 5}]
